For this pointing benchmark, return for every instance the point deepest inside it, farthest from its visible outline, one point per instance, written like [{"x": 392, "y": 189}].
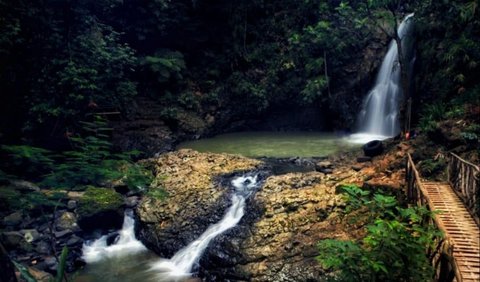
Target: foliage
[
  {"x": 31, "y": 202},
  {"x": 25, "y": 274},
  {"x": 393, "y": 248},
  {"x": 432, "y": 167},
  {"x": 93, "y": 163},
  {"x": 26, "y": 160}
]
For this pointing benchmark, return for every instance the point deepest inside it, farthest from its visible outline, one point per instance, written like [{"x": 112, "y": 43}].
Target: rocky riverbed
[{"x": 276, "y": 240}]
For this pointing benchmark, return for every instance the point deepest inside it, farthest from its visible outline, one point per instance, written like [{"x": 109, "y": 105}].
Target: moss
[{"x": 96, "y": 200}]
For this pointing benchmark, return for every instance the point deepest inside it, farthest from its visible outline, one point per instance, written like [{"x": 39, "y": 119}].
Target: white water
[
  {"x": 181, "y": 264},
  {"x": 379, "y": 117},
  {"x": 126, "y": 244}
]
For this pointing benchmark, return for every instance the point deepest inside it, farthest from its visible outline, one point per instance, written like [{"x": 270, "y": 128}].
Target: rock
[
  {"x": 363, "y": 159},
  {"x": 131, "y": 202},
  {"x": 63, "y": 233},
  {"x": 194, "y": 202},
  {"x": 100, "y": 208},
  {"x": 13, "y": 239},
  {"x": 30, "y": 235},
  {"x": 42, "y": 247},
  {"x": 67, "y": 220},
  {"x": 71, "y": 205},
  {"x": 40, "y": 276},
  {"x": 74, "y": 241},
  {"x": 13, "y": 219},
  {"x": 324, "y": 167},
  {"x": 357, "y": 167},
  {"x": 24, "y": 186}
]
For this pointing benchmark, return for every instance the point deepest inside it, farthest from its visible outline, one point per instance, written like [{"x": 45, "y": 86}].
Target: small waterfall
[
  {"x": 182, "y": 263},
  {"x": 125, "y": 244},
  {"x": 379, "y": 117}
]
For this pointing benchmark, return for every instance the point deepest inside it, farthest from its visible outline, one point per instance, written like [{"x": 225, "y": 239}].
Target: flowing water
[
  {"x": 271, "y": 144},
  {"x": 379, "y": 117},
  {"x": 181, "y": 264},
  {"x": 128, "y": 260}
]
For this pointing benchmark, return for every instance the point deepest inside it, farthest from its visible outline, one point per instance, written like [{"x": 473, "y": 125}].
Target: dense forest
[
  {"x": 63, "y": 59},
  {"x": 77, "y": 77}
]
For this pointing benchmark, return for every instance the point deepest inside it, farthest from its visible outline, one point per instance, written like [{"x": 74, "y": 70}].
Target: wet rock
[
  {"x": 363, "y": 159},
  {"x": 71, "y": 205},
  {"x": 30, "y": 235},
  {"x": 63, "y": 233},
  {"x": 66, "y": 220},
  {"x": 357, "y": 167},
  {"x": 131, "y": 202},
  {"x": 100, "y": 208},
  {"x": 13, "y": 239},
  {"x": 40, "y": 276},
  {"x": 74, "y": 241},
  {"x": 194, "y": 200},
  {"x": 13, "y": 219},
  {"x": 42, "y": 247},
  {"x": 324, "y": 167}
]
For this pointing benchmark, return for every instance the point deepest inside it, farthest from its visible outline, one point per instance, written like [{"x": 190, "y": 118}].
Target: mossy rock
[{"x": 100, "y": 208}]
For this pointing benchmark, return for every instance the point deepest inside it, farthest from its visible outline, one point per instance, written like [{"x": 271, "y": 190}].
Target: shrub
[{"x": 393, "y": 248}]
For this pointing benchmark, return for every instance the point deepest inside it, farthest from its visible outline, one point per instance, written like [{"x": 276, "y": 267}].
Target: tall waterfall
[
  {"x": 379, "y": 117},
  {"x": 181, "y": 264}
]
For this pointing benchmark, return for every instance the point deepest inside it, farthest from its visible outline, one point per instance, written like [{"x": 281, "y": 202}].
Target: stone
[
  {"x": 42, "y": 247},
  {"x": 363, "y": 159},
  {"x": 66, "y": 220},
  {"x": 357, "y": 167},
  {"x": 13, "y": 219},
  {"x": 100, "y": 208},
  {"x": 63, "y": 233},
  {"x": 131, "y": 202},
  {"x": 13, "y": 239},
  {"x": 40, "y": 276},
  {"x": 24, "y": 186},
  {"x": 74, "y": 241},
  {"x": 71, "y": 205},
  {"x": 30, "y": 235}
]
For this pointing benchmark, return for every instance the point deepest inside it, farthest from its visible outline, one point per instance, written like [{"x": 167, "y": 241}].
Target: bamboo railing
[
  {"x": 441, "y": 257},
  {"x": 464, "y": 177}
]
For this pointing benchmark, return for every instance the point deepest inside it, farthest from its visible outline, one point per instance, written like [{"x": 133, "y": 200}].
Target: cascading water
[
  {"x": 379, "y": 117},
  {"x": 182, "y": 263},
  {"x": 125, "y": 244}
]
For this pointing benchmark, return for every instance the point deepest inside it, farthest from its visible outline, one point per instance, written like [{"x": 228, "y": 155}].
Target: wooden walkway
[
  {"x": 459, "y": 228},
  {"x": 461, "y": 245}
]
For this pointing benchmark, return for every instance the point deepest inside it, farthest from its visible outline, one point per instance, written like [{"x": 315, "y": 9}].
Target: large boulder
[
  {"x": 193, "y": 200},
  {"x": 99, "y": 208}
]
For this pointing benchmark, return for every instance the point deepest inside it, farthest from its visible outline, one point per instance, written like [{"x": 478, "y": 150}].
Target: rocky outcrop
[
  {"x": 276, "y": 239},
  {"x": 193, "y": 200}
]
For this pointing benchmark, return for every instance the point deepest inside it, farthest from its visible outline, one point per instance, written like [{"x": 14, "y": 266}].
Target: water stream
[
  {"x": 379, "y": 117},
  {"x": 181, "y": 264},
  {"x": 127, "y": 259}
]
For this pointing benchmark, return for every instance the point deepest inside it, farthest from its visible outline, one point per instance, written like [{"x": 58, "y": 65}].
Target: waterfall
[
  {"x": 379, "y": 117},
  {"x": 125, "y": 244},
  {"x": 182, "y": 263}
]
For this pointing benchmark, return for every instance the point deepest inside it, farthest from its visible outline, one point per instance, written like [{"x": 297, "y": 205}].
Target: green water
[{"x": 271, "y": 144}]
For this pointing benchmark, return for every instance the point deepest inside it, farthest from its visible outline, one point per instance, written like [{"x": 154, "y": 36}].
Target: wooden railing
[
  {"x": 464, "y": 177},
  {"x": 441, "y": 257}
]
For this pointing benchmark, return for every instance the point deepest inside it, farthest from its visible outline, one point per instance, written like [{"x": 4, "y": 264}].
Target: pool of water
[{"x": 272, "y": 144}]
